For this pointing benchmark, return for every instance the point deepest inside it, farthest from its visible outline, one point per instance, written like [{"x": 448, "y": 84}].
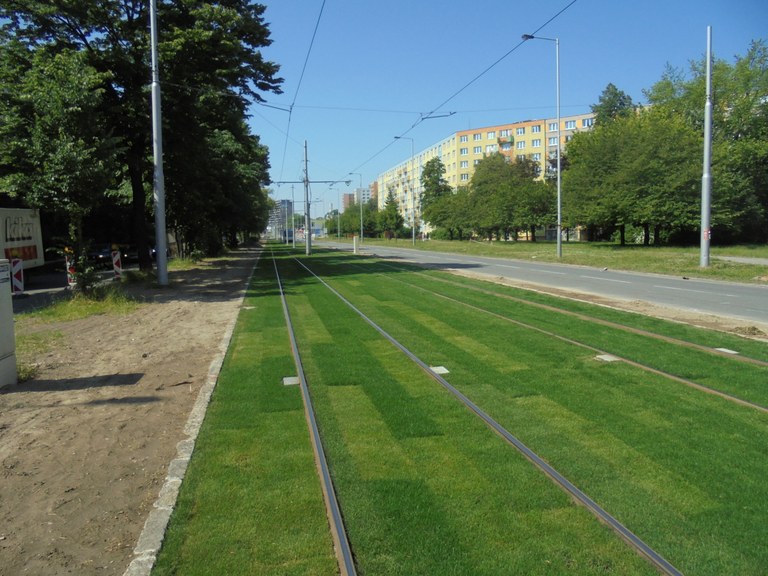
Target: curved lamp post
[{"x": 557, "y": 84}]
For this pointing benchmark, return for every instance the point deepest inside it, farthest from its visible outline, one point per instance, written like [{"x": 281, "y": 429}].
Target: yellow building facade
[{"x": 532, "y": 139}]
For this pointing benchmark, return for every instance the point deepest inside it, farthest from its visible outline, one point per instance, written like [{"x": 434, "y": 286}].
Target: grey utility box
[{"x": 8, "y": 376}]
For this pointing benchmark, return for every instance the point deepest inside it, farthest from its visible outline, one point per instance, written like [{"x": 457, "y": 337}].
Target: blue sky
[{"x": 376, "y": 67}]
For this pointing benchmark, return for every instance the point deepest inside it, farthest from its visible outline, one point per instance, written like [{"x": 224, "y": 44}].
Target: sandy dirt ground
[{"x": 85, "y": 446}]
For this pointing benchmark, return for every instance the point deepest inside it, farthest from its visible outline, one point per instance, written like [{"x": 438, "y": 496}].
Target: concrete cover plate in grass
[
  {"x": 726, "y": 351},
  {"x": 607, "y": 358},
  {"x": 439, "y": 369},
  {"x": 290, "y": 380}
]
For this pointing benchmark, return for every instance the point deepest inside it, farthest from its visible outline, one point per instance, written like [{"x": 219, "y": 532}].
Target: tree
[
  {"x": 740, "y": 136},
  {"x": 638, "y": 170},
  {"x": 57, "y": 154},
  {"x": 612, "y": 104},
  {"x": 210, "y": 62},
  {"x": 491, "y": 195},
  {"x": 435, "y": 189},
  {"x": 390, "y": 220}
]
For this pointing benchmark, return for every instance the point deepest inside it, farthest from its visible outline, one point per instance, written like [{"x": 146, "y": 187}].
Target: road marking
[
  {"x": 697, "y": 291},
  {"x": 607, "y": 279}
]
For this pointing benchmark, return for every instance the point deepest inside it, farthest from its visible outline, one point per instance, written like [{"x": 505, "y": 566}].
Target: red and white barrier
[
  {"x": 17, "y": 273},
  {"x": 69, "y": 261},
  {"x": 117, "y": 264}
]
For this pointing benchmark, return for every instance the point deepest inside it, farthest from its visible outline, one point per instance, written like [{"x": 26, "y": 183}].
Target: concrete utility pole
[
  {"x": 307, "y": 219},
  {"x": 360, "y": 199},
  {"x": 161, "y": 239},
  {"x": 706, "y": 179}
]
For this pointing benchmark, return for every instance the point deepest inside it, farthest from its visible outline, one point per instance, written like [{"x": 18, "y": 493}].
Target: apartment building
[{"x": 463, "y": 150}]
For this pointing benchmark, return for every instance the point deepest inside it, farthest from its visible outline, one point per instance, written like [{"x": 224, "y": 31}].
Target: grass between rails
[
  {"x": 644, "y": 447},
  {"x": 251, "y": 501},
  {"x": 424, "y": 486}
]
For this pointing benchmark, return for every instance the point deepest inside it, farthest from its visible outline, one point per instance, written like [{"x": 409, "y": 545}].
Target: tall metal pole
[
  {"x": 413, "y": 190},
  {"x": 307, "y": 218},
  {"x": 706, "y": 179},
  {"x": 293, "y": 221},
  {"x": 559, "y": 189},
  {"x": 360, "y": 199},
  {"x": 161, "y": 239},
  {"x": 559, "y": 144}
]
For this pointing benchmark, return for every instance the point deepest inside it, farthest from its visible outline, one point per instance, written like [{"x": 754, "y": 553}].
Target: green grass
[
  {"x": 251, "y": 501},
  {"x": 108, "y": 299},
  {"x": 425, "y": 487},
  {"x": 653, "y": 440}
]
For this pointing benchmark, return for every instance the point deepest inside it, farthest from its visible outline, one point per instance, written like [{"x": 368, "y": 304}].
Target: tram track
[
  {"x": 578, "y": 496},
  {"x": 640, "y": 332},
  {"x": 641, "y": 366},
  {"x": 341, "y": 543}
]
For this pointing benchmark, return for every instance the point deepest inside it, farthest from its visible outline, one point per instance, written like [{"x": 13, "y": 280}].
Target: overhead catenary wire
[
  {"x": 464, "y": 87},
  {"x": 298, "y": 87}
]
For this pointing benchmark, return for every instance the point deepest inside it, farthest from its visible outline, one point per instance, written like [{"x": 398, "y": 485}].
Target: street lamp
[
  {"x": 413, "y": 190},
  {"x": 361, "y": 202},
  {"x": 557, "y": 85}
]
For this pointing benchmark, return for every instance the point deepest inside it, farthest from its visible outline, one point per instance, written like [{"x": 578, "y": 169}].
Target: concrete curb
[{"x": 151, "y": 537}]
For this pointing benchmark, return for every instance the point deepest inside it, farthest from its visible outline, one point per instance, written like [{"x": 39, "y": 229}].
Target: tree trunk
[
  {"x": 623, "y": 234},
  {"x": 646, "y": 234},
  {"x": 139, "y": 205}
]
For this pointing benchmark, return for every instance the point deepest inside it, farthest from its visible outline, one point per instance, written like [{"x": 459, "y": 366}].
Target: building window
[
  {"x": 463, "y": 138},
  {"x": 587, "y": 122},
  {"x": 476, "y": 162},
  {"x": 569, "y": 137},
  {"x": 490, "y": 148},
  {"x": 521, "y": 145},
  {"x": 536, "y": 129},
  {"x": 503, "y": 133},
  {"x": 491, "y": 135},
  {"x": 536, "y": 143},
  {"x": 477, "y": 136},
  {"x": 553, "y": 126},
  {"x": 520, "y": 157},
  {"x": 553, "y": 141},
  {"x": 477, "y": 150},
  {"x": 570, "y": 125},
  {"x": 536, "y": 157},
  {"x": 464, "y": 177},
  {"x": 464, "y": 151},
  {"x": 506, "y": 146},
  {"x": 520, "y": 131},
  {"x": 465, "y": 163}
]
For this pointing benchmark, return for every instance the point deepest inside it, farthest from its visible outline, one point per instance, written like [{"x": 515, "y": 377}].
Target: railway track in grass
[
  {"x": 637, "y": 544},
  {"x": 640, "y": 365},
  {"x": 336, "y": 522},
  {"x": 723, "y": 354}
]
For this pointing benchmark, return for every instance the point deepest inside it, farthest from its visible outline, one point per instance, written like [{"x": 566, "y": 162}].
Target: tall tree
[
  {"x": 434, "y": 189},
  {"x": 740, "y": 136},
  {"x": 208, "y": 49},
  {"x": 57, "y": 152},
  {"x": 390, "y": 220},
  {"x": 491, "y": 195},
  {"x": 613, "y": 103}
]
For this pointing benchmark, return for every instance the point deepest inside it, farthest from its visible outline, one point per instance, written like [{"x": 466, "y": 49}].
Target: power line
[
  {"x": 467, "y": 85},
  {"x": 298, "y": 87}
]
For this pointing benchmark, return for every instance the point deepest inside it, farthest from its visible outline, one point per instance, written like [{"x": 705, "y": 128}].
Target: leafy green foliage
[{"x": 211, "y": 66}]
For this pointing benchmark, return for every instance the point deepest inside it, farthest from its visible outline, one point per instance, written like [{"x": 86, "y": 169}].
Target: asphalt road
[{"x": 742, "y": 301}]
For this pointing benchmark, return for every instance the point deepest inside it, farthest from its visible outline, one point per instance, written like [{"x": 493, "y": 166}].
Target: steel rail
[
  {"x": 634, "y": 541},
  {"x": 644, "y": 367},
  {"x": 338, "y": 531},
  {"x": 601, "y": 321}
]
